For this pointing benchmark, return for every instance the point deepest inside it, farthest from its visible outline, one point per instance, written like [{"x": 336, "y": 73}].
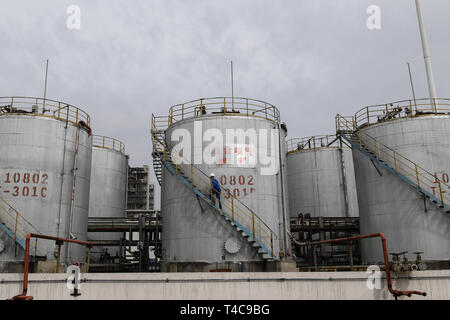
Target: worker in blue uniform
[{"x": 215, "y": 191}]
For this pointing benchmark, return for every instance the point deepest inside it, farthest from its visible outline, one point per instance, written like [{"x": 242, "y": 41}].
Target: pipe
[
  {"x": 283, "y": 191},
  {"x": 72, "y": 202},
  {"x": 395, "y": 293},
  {"x": 24, "y": 296},
  {"x": 426, "y": 56},
  {"x": 344, "y": 178}
]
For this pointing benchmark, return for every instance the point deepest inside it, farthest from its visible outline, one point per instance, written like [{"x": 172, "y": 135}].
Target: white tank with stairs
[
  {"x": 45, "y": 166},
  {"x": 249, "y": 230},
  {"x": 402, "y": 177}
]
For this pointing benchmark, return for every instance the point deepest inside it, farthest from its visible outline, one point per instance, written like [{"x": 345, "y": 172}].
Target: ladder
[
  {"x": 410, "y": 172},
  {"x": 250, "y": 226}
]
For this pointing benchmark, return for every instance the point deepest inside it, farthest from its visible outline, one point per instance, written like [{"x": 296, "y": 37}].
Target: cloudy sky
[{"x": 311, "y": 58}]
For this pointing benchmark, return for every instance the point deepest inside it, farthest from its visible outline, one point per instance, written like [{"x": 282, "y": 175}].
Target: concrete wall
[{"x": 227, "y": 286}]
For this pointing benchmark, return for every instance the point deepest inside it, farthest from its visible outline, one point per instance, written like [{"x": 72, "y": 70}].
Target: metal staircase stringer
[
  {"x": 11, "y": 234},
  {"x": 427, "y": 194}
]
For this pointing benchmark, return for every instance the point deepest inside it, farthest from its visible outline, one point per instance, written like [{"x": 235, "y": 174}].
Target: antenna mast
[
  {"x": 232, "y": 87},
  {"x": 45, "y": 86},
  {"x": 412, "y": 85}
]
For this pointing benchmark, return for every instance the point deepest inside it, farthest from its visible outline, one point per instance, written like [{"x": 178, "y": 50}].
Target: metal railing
[
  {"x": 401, "y": 110},
  {"x": 43, "y": 108},
  {"x": 16, "y": 223},
  {"x": 315, "y": 142},
  {"x": 220, "y": 106},
  {"x": 108, "y": 143},
  {"x": 421, "y": 178},
  {"x": 232, "y": 207}
]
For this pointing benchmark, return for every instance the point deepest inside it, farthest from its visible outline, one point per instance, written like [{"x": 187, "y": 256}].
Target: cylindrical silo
[
  {"x": 321, "y": 177},
  {"x": 386, "y": 202},
  {"x": 45, "y": 169},
  {"x": 241, "y": 141},
  {"x": 108, "y": 191}
]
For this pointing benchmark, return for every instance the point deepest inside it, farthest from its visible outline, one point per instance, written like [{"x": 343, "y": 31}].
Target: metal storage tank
[
  {"x": 45, "y": 169},
  {"x": 108, "y": 191},
  {"x": 321, "y": 177},
  {"x": 195, "y": 237},
  {"x": 419, "y": 131}
]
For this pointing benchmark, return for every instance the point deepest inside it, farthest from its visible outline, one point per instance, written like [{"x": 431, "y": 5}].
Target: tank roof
[
  {"x": 391, "y": 111},
  {"x": 314, "y": 142},
  {"x": 108, "y": 143},
  {"x": 48, "y": 108},
  {"x": 219, "y": 106}
]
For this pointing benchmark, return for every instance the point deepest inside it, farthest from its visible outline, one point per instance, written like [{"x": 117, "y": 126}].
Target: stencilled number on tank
[
  {"x": 440, "y": 177},
  {"x": 240, "y": 186},
  {"x": 24, "y": 184}
]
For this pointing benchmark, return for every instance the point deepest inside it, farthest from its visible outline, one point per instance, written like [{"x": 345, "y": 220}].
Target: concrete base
[{"x": 229, "y": 286}]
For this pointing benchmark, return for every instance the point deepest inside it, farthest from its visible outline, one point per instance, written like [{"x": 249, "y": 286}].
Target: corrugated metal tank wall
[
  {"x": 108, "y": 191},
  {"x": 321, "y": 178},
  {"x": 387, "y": 204},
  {"x": 37, "y": 156}
]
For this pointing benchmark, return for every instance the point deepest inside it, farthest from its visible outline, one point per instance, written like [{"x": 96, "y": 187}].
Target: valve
[
  {"x": 395, "y": 266},
  {"x": 405, "y": 265},
  {"x": 420, "y": 264}
]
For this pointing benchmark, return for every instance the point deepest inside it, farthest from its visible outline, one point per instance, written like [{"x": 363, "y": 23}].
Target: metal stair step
[
  {"x": 261, "y": 250},
  {"x": 256, "y": 244},
  {"x": 267, "y": 256},
  {"x": 356, "y": 145},
  {"x": 245, "y": 235}
]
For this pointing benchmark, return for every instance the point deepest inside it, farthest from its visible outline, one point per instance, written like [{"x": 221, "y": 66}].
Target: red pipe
[
  {"x": 396, "y": 293},
  {"x": 24, "y": 296}
]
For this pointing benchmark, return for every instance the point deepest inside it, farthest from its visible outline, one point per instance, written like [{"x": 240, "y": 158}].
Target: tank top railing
[
  {"x": 401, "y": 110},
  {"x": 108, "y": 143},
  {"x": 227, "y": 106},
  {"x": 315, "y": 142},
  {"x": 17, "y": 224},
  {"x": 232, "y": 207},
  {"x": 425, "y": 181},
  {"x": 43, "y": 108}
]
